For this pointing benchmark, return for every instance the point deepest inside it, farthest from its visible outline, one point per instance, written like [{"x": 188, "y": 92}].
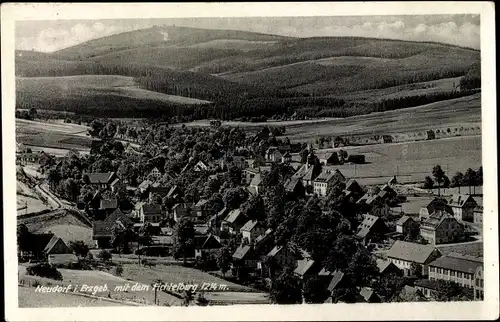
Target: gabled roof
[
  {"x": 115, "y": 182},
  {"x": 233, "y": 215},
  {"x": 329, "y": 175},
  {"x": 291, "y": 184},
  {"x": 173, "y": 191},
  {"x": 383, "y": 264},
  {"x": 207, "y": 242},
  {"x": 250, "y": 225},
  {"x": 102, "y": 228},
  {"x": 201, "y": 203},
  {"x": 401, "y": 221},
  {"x": 300, "y": 172},
  {"x": 411, "y": 252},
  {"x": 309, "y": 175},
  {"x": 62, "y": 259},
  {"x": 53, "y": 241},
  {"x": 303, "y": 266},
  {"x": 368, "y": 223},
  {"x": 457, "y": 264},
  {"x": 368, "y": 294},
  {"x": 274, "y": 251},
  {"x": 435, "y": 219},
  {"x": 256, "y": 180},
  {"x": 459, "y": 200},
  {"x": 353, "y": 185},
  {"x": 336, "y": 279},
  {"x": 99, "y": 177},
  {"x": 242, "y": 252}
]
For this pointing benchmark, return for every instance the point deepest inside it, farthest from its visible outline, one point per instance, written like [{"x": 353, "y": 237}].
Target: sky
[{"x": 461, "y": 30}]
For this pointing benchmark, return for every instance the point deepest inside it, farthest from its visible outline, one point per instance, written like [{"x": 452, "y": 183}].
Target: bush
[
  {"x": 79, "y": 248},
  {"x": 44, "y": 270},
  {"x": 104, "y": 255}
]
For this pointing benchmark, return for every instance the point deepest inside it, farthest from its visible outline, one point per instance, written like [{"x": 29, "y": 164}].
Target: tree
[
  {"x": 79, "y": 248},
  {"x": 24, "y": 238},
  {"x": 390, "y": 286},
  {"x": 184, "y": 239},
  {"x": 254, "y": 208},
  {"x": 416, "y": 269},
  {"x": 104, "y": 255},
  {"x": 224, "y": 259},
  {"x": 449, "y": 291},
  {"x": 120, "y": 237},
  {"x": 428, "y": 183},
  {"x": 439, "y": 175},
  {"x": 479, "y": 176},
  {"x": 188, "y": 297},
  {"x": 33, "y": 113},
  {"x": 233, "y": 197},
  {"x": 315, "y": 290},
  {"x": 457, "y": 180},
  {"x": 286, "y": 289},
  {"x": 470, "y": 178},
  {"x": 446, "y": 182}
]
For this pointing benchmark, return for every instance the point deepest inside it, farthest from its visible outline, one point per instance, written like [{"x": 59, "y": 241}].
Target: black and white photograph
[{"x": 252, "y": 160}]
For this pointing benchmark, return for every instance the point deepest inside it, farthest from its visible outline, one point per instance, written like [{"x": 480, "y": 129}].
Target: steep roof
[
  {"x": 173, "y": 191},
  {"x": 459, "y": 200},
  {"x": 353, "y": 185},
  {"x": 115, "y": 182},
  {"x": 368, "y": 294},
  {"x": 411, "y": 252},
  {"x": 401, "y": 221},
  {"x": 303, "y": 266},
  {"x": 436, "y": 219},
  {"x": 336, "y": 279},
  {"x": 309, "y": 175},
  {"x": 242, "y": 252},
  {"x": 383, "y": 264},
  {"x": 329, "y": 175},
  {"x": 256, "y": 180},
  {"x": 250, "y": 225},
  {"x": 207, "y": 242},
  {"x": 145, "y": 184},
  {"x": 300, "y": 172},
  {"x": 274, "y": 251},
  {"x": 53, "y": 241},
  {"x": 457, "y": 264},
  {"x": 291, "y": 184},
  {"x": 102, "y": 228},
  {"x": 233, "y": 215},
  {"x": 201, "y": 202},
  {"x": 365, "y": 227},
  {"x": 99, "y": 177}
]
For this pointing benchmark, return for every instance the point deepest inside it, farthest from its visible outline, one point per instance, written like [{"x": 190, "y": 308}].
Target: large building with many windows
[{"x": 458, "y": 268}]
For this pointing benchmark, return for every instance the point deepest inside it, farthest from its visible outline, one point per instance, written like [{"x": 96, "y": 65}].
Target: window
[
  {"x": 481, "y": 282},
  {"x": 431, "y": 269},
  {"x": 453, "y": 273},
  {"x": 445, "y": 271},
  {"x": 460, "y": 275}
]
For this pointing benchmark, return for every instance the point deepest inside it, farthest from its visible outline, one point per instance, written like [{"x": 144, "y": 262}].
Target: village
[{"x": 254, "y": 209}]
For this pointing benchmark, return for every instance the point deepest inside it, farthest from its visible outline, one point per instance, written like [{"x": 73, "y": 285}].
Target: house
[
  {"x": 441, "y": 228},
  {"x": 56, "y": 246},
  {"x": 255, "y": 184},
  {"x": 403, "y": 254},
  {"x": 353, "y": 186},
  {"x": 273, "y": 154},
  {"x": 463, "y": 207},
  {"x": 198, "y": 207},
  {"x": 406, "y": 225},
  {"x": 294, "y": 185},
  {"x": 411, "y": 294},
  {"x": 205, "y": 245},
  {"x": 461, "y": 269},
  {"x": 251, "y": 230},
  {"x": 372, "y": 229},
  {"x": 286, "y": 157},
  {"x": 435, "y": 205},
  {"x": 306, "y": 266},
  {"x": 183, "y": 210},
  {"x": 27, "y": 157},
  {"x": 369, "y": 295},
  {"x": 387, "y": 193},
  {"x": 102, "y": 229},
  {"x": 478, "y": 216},
  {"x": 150, "y": 212},
  {"x": 386, "y": 267},
  {"x": 234, "y": 221},
  {"x": 282, "y": 256},
  {"x": 330, "y": 159},
  {"x": 250, "y": 173},
  {"x": 245, "y": 256},
  {"x": 216, "y": 220},
  {"x": 237, "y": 161},
  {"x": 325, "y": 180},
  {"x": 428, "y": 288},
  {"x": 101, "y": 180},
  {"x": 107, "y": 206},
  {"x": 175, "y": 193},
  {"x": 200, "y": 166}
]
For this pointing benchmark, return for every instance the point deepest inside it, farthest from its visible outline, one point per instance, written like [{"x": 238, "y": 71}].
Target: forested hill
[{"x": 241, "y": 68}]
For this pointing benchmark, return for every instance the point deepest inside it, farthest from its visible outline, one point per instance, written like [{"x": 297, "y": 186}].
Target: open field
[
  {"x": 100, "y": 278},
  {"x": 455, "y": 113},
  {"x": 28, "y": 298},
  {"x": 52, "y": 136},
  {"x": 412, "y": 161},
  {"x": 175, "y": 274},
  {"x": 28, "y": 201},
  {"x": 70, "y": 232}
]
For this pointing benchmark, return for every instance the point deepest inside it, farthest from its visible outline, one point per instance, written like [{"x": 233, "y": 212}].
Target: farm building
[
  {"x": 463, "y": 207},
  {"x": 101, "y": 229},
  {"x": 372, "y": 229},
  {"x": 251, "y": 230},
  {"x": 234, "y": 221},
  {"x": 150, "y": 213},
  {"x": 101, "y": 180},
  {"x": 206, "y": 245},
  {"x": 403, "y": 254}
]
